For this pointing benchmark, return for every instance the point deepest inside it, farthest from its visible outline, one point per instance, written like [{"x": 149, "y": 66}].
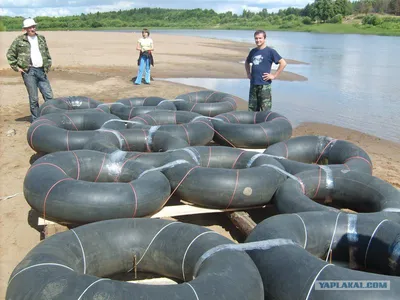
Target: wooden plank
[
  {"x": 254, "y": 150},
  {"x": 43, "y": 222},
  {"x": 154, "y": 281},
  {"x": 174, "y": 211},
  {"x": 182, "y": 210},
  {"x": 188, "y": 209}
]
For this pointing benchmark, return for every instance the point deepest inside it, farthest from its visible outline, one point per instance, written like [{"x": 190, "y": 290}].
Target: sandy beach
[{"x": 100, "y": 65}]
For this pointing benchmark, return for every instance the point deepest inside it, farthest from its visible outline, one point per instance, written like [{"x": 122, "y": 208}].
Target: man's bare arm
[
  {"x": 247, "y": 67},
  {"x": 268, "y": 76},
  {"x": 282, "y": 64}
]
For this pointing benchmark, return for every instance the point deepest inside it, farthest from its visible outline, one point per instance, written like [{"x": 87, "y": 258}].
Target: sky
[{"x": 55, "y": 8}]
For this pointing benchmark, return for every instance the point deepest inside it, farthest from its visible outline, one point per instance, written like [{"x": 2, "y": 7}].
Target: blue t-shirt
[{"x": 262, "y": 60}]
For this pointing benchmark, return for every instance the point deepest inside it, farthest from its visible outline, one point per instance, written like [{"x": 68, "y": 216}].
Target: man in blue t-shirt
[{"x": 261, "y": 58}]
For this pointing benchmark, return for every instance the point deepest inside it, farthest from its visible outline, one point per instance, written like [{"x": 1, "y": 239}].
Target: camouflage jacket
[{"x": 19, "y": 53}]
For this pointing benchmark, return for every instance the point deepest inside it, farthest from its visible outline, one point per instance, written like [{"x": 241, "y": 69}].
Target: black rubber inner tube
[
  {"x": 207, "y": 103},
  {"x": 243, "y": 129},
  {"x": 148, "y": 159},
  {"x": 305, "y": 152},
  {"x": 219, "y": 177},
  {"x": 141, "y": 140},
  {"x": 86, "y": 186},
  {"x": 340, "y": 188},
  {"x": 72, "y": 103},
  {"x": 68, "y": 131},
  {"x": 128, "y": 108},
  {"x": 301, "y": 245},
  {"x": 76, "y": 264},
  {"x": 191, "y": 127}
]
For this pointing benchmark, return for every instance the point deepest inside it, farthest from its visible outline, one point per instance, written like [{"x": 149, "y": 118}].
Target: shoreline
[
  {"x": 81, "y": 69},
  {"x": 323, "y": 28},
  {"x": 176, "y": 60},
  {"x": 174, "y": 56}
]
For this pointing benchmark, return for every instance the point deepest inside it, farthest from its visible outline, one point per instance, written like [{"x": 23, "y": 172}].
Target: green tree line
[{"x": 319, "y": 12}]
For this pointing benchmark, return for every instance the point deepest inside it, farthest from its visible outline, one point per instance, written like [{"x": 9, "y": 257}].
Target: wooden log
[
  {"x": 242, "y": 221},
  {"x": 51, "y": 229}
]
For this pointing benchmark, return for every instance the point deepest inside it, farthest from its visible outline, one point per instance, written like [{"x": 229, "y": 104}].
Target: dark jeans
[{"x": 36, "y": 78}]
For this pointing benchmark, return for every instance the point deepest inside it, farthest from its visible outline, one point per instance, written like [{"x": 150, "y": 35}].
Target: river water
[{"x": 352, "y": 79}]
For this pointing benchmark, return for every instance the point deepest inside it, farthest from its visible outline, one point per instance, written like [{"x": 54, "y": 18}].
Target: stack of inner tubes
[
  {"x": 220, "y": 177},
  {"x": 77, "y": 124},
  {"x": 72, "y": 103},
  {"x": 306, "y": 152},
  {"x": 295, "y": 265},
  {"x": 207, "y": 103},
  {"x": 115, "y": 168},
  {"x": 135, "y": 184},
  {"x": 83, "y": 130},
  {"x": 340, "y": 188},
  {"x": 100, "y": 186},
  {"x": 77, "y": 264},
  {"x": 68, "y": 131},
  {"x": 243, "y": 129},
  {"x": 128, "y": 108}
]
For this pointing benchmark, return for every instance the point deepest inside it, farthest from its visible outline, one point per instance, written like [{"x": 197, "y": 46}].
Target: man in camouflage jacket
[{"x": 29, "y": 55}]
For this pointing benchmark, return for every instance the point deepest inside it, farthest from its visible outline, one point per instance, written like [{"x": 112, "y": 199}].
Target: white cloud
[
  {"x": 32, "y": 8},
  {"x": 5, "y": 12},
  {"x": 123, "y": 5},
  {"x": 254, "y": 9},
  {"x": 53, "y": 12}
]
